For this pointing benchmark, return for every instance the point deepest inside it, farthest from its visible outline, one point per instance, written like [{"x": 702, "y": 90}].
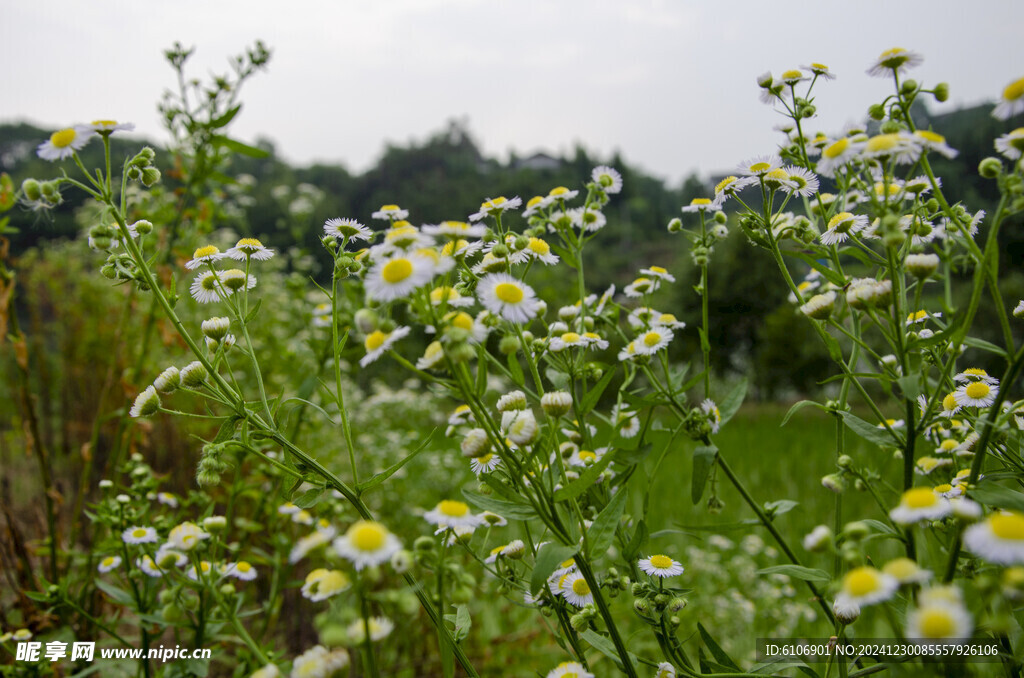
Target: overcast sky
[{"x": 669, "y": 84}]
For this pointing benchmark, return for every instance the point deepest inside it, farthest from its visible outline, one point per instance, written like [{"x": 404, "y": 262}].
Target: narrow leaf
[
  {"x": 636, "y": 542},
  {"x": 602, "y": 531},
  {"x": 797, "y": 572},
  {"x": 505, "y": 509},
  {"x": 239, "y": 147},
  {"x": 253, "y": 311},
  {"x": 717, "y": 652},
  {"x": 997, "y": 496},
  {"x": 379, "y": 478},
  {"x": 797, "y": 407},
  {"x": 226, "y": 118},
  {"x": 731, "y": 403},
  {"x": 703, "y": 460},
  {"x": 869, "y": 432},
  {"x": 309, "y": 498},
  {"x": 606, "y": 647},
  {"x": 595, "y": 393}
]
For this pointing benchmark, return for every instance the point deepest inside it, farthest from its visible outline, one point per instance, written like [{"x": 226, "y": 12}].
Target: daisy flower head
[
  {"x": 895, "y": 60},
  {"x": 792, "y": 77},
  {"x": 801, "y": 181},
  {"x": 569, "y": 670},
  {"x": 109, "y": 563},
  {"x": 866, "y": 586},
  {"x": 318, "y": 662},
  {"x": 900, "y": 146},
  {"x": 665, "y": 670},
  {"x": 377, "y": 343},
  {"x": 139, "y": 535},
  {"x": 186, "y": 536},
  {"x": 642, "y": 286},
  {"x": 838, "y": 154},
  {"x": 390, "y": 213},
  {"x": 1011, "y": 144},
  {"x": 976, "y": 394},
  {"x": 842, "y": 226},
  {"x": 235, "y": 279},
  {"x": 906, "y": 571},
  {"x": 495, "y": 207},
  {"x": 975, "y": 374},
  {"x": 713, "y": 414},
  {"x": 450, "y": 513},
  {"x": 485, "y": 464},
  {"x": 396, "y": 276},
  {"x": 535, "y": 205},
  {"x": 536, "y": 250},
  {"x": 206, "y": 254},
  {"x": 607, "y": 178},
  {"x": 653, "y": 340},
  {"x": 64, "y": 143},
  {"x": 939, "y": 620},
  {"x": 660, "y": 566},
  {"x": 1012, "y": 101},
  {"x": 730, "y": 186},
  {"x": 241, "y": 570},
  {"x": 207, "y": 288},
  {"x": 934, "y": 142},
  {"x": 759, "y": 165},
  {"x": 575, "y": 589},
  {"x": 589, "y": 219},
  {"x": 456, "y": 230},
  {"x": 704, "y": 205},
  {"x": 367, "y": 543},
  {"x": 562, "y": 193},
  {"x": 347, "y": 229},
  {"x": 820, "y": 70},
  {"x": 508, "y": 297},
  {"x": 322, "y": 584},
  {"x": 146, "y": 403},
  {"x": 920, "y": 504},
  {"x": 999, "y": 538},
  {"x": 109, "y": 126},
  {"x": 249, "y": 248},
  {"x": 377, "y": 628}
]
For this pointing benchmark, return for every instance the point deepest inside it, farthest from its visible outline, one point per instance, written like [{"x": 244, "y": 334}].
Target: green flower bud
[
  {"x": 675, "y": 226},
  {"x": 579, "y": 622},
  {"x": 150, "y": 176},
  {"x": 891, "y": 126},
  {"x": 143, "y": 158},
  {"x": 500, "y": 251},
  {"x": 720, "y": 218},
  {"x": 50, "y": 191},
  {"x": 876, "y": 111},
  {"x": 32, "y": 189},
  {"x": 941, "y": 91},
  {"x": 856, "y": 530},
  {"x": 676, "y": 604},
  {"x": 509, "y": 344},
  {"x": 909, "y": 86},
  {"x": 423, "y": 544},
  {"x": 844, "y": 461},
  {"x": 333, "y": 635},
  {"x": 641, "y": 606},
  {"x": 990, "y": 168},
  {"x": 172, "y": 613},
  {"x": 108, "y": 271},
  {"x": 521, "y": 242},
  {"x": 143, "y": 227}
]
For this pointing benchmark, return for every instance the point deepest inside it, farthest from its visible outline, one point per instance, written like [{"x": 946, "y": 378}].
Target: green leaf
[
  {"x": 834, "y": 351},
  {"x": 910, "y": 385},
  {"x": 797, "y": 407},
  {"x": 379, "y": 478},
  {"x": 226, "y": 118},
  {"x": 586, "y": 479},
  {"x": 974, "y": 342},
  {"x": 703, "y": 460},
  {"x": 595, "y": 393},
  {"x": 731, "y": 403},
  {"x": 602, "y": 530},
  {"x": 797, "y": 572},
  {"x": 253, "y": 311},
  {"x": 717, "y": 652},
  {"x": 549, "y": 558},
  {"x": 309, "y": 498},
  {"x": 565, "y": 255},
  {"x": 118, "y": 595},
  {"x": 461, "y": 622},
  {"x": 636, "y": 542},
  {"x": 501, "y": 488},
  {"x": 516, "y": 369},
  {"x": 227, "y": 430},
  {"x": 606, "y": 647},
  {"x": 881, "y": 527},
  {"x": 505, "y": 509},
  {"x": 777, "y": 508},
  {"x": 998, "y": 496},
  {"x": 869, "y": 432},
  {"x": 238, "y": 147}
]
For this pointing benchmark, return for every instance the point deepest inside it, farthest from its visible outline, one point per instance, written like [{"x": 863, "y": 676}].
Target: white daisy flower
[
  {"x": 730, "y": 186},
  {"x": 660, "y": 566},
  {"x": 589, "y": 219},
  {"x": 837, "y": 154},
  {"x": 249, "y": 248},
  {"x": 149, "y": 567},
  {"x": 562, "y": 193},
  {"x": 976, "y": 394},
  {"x": 508, "y": 297},
  {"x": 484, "y": 464},
  {"x": 998, "y": 539},
  {"x": 703, "y": 205},
  {"x": 206, "y": 568},
  {"x": 378, "y": 343},
  {"x": 109, "y": 126},
  {"x": 204, "y": 255},
  {"x": 166, "y": 556},
  {"x": 109, "y": 563},
  {"x": 972, "y": 374},
  {"x": 896, "y": 60},
  {"x": 347, "y": 229},
  {"x": 495, "y": 207},
  {"x": 713, "y": 414},
  {"x": 450, "y": 513},
  {"x": 305, "y": 545},
  {"x": 866, "y": 586},
  {"x": 139, "y": 535},
  {"x": 207, "y": 287},
  {"x": 906, "y": 571},
  {"x": 1011, "y": 144},
  {"x": 939, "y": 621},
  {"x": 322, "y": 584},
  {"x": 146, "y": 403},
  {"x": 536, "y": 250},
  {"x": 569, "y": 670},
  {"x": 934, "y": 142},
  {"x": 607, "y": 178},
  {"x": 64, "y": 143},
  {"x": 318, "y": 662},
  {"x": 658, "y": 272},
  {"x": 1012, "y": 101},
  {"x": 186, "y": 536},
  {"x": 268, "y": 671},
  {"x": 654, "y": 340},
  {"x": 665, "y": 670},
  {"x": 367, "y": 543},
  {"x": 842, "y": 226},
  {"x": 378, "y": 628},
  {"x": 574, "y": 588},
  {"x": 456, "y": 230},
  {"x": 920, "y": 504},
  {"x": 566, "y": 340},
  {"x": 583, "y": 458},
  {"x": 816, "y": 539},
  {"x": 642, "y": 317},
  {"x": 240, "y": 570},
  {"x": 397, "y": 276},
  {"x": 801, "y": 181},
  {"x": 759, "y": 165},
  {"x": 641, "y": 286},
  {"x": 390, "y": 213},
  {"x": 900, "y": 146}
]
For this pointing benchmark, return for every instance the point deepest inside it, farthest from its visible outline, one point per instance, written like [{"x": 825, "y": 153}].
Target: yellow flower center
[
  {"x": 760, "y": 167},
  {"x": 108, "y": 561},
  {"x": 455, "y": 509},
  {"x": 587, "y": 455},
  {"x": 920, "y": 315},
  {"x": 792, "y": 74},
  {"x": 375, "y": 340},
  {"x": 836, "y": 149},
  {"x": 440, "y": 294},
  {"x": 205, "y": 251},
  {"x": 367, "y": 535},
  {"x": 139, "y": 532},
  {"x": 538, "y": 246},
  {"x": 570, "y": 337},
  {"x": 920, "y": 497},
  {"x": 243, "y": 566},
  {"x": 818, "y": 67},
  {"x": 659, "y": 269},
  {"x": 451, "y": 247},
  {"x": 535, "y": 200},
  {"x": 944, "y": 487},
  {"x": 104, "y": 123},
  {"x": 485, "y": 459},
  {"x": 661, "y": 562},
  {"x": 978, "y": 390},
  {"x": 205, "y": 566},
  {"x": 882, "y": 143},
  {"x": 936, "y": 622},
  {"x": 975, "y": 372},
  {"x": 652, "y": 338},
  {"x": 508, "y": 293},
  {"x": 396, "y": 271},
  {"x": 1014, "y": 91},
  {"x": 580, "y": 587},
  {"x": 1007, "y": 526},
  {"x": 724, "y": 183},
  {"x": 558, "y": 191},
  {"x": 463, "y": 321},
  {"x": 841, "y": 222},
  {"x": 249, "y": 243},
  {"x": 705, "y": 201},
  {"x": 777, "y": 175},
  {"x": 389, "y": 208},
  {"x": 667, "y": 318},
  {"x": 948, "y": 445},
  {"x": 901, "y": 568},
  {"x": 930, "y": 136},
  {"x": 63, "y": 138},
  {"x": 861, "y": 581},
  {"x": 949, "y": 402}
]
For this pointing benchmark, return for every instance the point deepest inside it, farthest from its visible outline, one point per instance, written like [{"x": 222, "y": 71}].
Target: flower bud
[
  {"x": 675, "y": 226},
  {"x": 423, "y": 544},
  {"x": 921, "y": 266},
  {"x": 50, "y": 191},
  {"x": 847, "y": 613},
  {"x": 834, "y": 483},
  {"x": 150, "y": 176},
  {"x": 142, "y": 227},
  {"x": 216, "y": 328},
  {"x": 641, "y": 606},
  {"x": 876, "y": 111},
  {"x": 516, "y": 400},
  {"x": 500, "y": 251},
  {"x": 367, "y": 320},
  {"x": 193, "y": 375},
  {"x": 168, "y": 381},
  {"x": 475, "y": 444},
  {"x": 509, "y": 344},
  {"x": 856, "y": 530},
  {"x": 820, "y": 306},
  {"x": 556, "y": 403},
  {"x": 143, "y": 158},
  {"x": 580, "y": 622},
  {"x": 990, "y": 168},
  {"x": 908, "y": 86},
  {"x": 31, "y": 189},
  {"x": 941, "y": 92},
  {"x": 676, "y": 604},
  {"x": 146, "y": 403}
]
